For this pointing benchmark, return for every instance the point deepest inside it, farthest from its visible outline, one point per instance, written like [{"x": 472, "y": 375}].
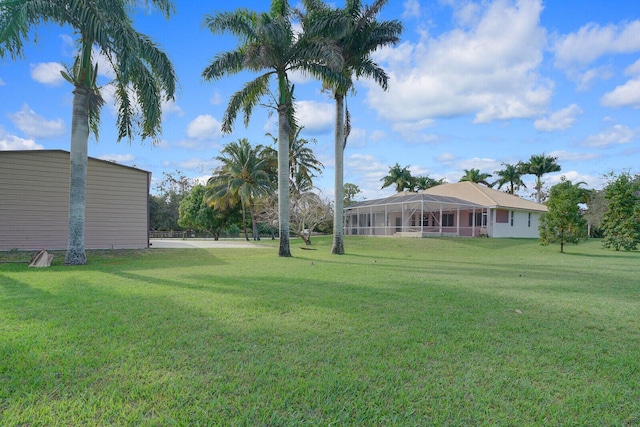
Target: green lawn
[{"x": 398, "y": 332}]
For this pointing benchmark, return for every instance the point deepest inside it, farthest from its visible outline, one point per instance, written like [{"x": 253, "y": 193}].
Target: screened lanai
[{"x": 416, "y": 214}]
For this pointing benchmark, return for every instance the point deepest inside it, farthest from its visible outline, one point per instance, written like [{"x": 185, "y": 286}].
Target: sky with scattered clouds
[{"x": 473, "y": 84}]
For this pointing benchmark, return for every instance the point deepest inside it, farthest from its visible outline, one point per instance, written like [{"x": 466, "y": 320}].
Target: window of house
[
  {"x": 447, "y": 220},
  {"x": 502, "y": 216},
  {"x": 479, "y": 220},
  {"x": 513, "y": 213},
  {"x": 529, "y": 221},
  {"x": 425, "y": 220}
]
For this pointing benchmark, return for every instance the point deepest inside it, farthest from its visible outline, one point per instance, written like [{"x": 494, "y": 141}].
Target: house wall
[
  {"x": 34, "y": 202},
  {"x": 521, "y": 228}
]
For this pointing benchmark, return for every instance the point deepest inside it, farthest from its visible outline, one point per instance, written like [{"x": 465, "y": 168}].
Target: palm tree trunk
[
  {"x": 338, "y": 213},
  {"x": 254, "y": 222},
  {"x": 244, "y": 221},
  {"x": 78, "y": 180},
  {"x": 283, "y": 180}
]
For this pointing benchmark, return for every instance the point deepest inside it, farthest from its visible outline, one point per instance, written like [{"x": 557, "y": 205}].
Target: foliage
[
  {"x": 398, "y": 176},
  {"x": 539, "y": 165},
  {"x": 243, "y": 176},
  {"x": 401, "y": 336},
  {"x": 563, "y": 223},
  {"x": 196, "y": 214},
  {"x": 350, "y": 191},
  {"x": 164, "y": 208},
  {"x": 269, "y": 45},
  {"x": 621, "y": 221},
  {"x": 474, "y": 175},
  {"x": 424, "y": 182},
  {"x": 511, "y": 175}
]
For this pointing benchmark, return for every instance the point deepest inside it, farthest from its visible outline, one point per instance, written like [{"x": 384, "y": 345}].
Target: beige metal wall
[{"x": 34, "y": 202}]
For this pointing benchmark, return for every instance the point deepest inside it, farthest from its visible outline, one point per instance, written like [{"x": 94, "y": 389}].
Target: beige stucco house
[
  {"x": 460, "y": 209},
  {"x": 34, "y": 202}
]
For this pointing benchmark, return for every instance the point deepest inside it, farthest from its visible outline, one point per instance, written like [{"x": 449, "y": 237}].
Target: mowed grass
[{"x": 398, "y": 332}]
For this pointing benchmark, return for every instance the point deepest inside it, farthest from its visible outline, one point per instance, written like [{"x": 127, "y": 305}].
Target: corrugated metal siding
[{"x": 34, "y": 202}]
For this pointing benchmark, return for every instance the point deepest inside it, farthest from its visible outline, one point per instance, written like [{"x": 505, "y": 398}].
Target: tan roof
[{"x": 484, "y": 196}]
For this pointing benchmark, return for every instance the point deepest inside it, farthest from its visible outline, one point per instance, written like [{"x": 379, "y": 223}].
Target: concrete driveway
[{"x": 208, "y": 243}]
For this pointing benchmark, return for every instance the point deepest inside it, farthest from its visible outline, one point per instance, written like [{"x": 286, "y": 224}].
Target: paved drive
[{"x": 195, "y": 243}]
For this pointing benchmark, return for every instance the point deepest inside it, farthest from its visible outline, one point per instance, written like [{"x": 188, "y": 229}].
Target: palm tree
[
  {"x": 424, "y": 182},
  {"x": 512, "y": 175},
  {"x": 269, "y": 44},
  {"x": 241, "y": 176},
  {"x": 361, "y": 36},
  {"x": 474, "y": 175},
  {"x": 303, "y": 164},
  {"x": 398, "y": 176},
  {"x": 539, "y": 165},
  {"x": 144, "y": 77}
]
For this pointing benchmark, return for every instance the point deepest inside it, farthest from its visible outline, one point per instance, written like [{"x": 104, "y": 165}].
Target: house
[
  {"x": 460, "y": 209},
  {"x": 34, "y": 202}
]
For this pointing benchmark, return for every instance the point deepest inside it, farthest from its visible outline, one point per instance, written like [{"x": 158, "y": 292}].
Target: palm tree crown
[
  {"x": 474, "y": 175},
  {"x": 398, "y": 176},
  {"x": 512, "y": 175},
  {"x": 539, "y": 165}
]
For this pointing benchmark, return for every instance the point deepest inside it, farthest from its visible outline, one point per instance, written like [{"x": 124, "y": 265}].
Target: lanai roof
[{"x": 409, "y": 197}]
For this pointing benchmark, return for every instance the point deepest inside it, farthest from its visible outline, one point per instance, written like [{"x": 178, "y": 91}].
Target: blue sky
[{"x": 473, "y": 84}]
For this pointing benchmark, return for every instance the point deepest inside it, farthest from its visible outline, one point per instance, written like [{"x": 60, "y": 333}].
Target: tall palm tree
[
  {"x": 361, "y": 36},
  {"x": 242, "y": 175},
  {"x": 398, "y": 176},
  {"x": 270, "y": 45},
  {"x": 144, "y": 77},
  {"x": 474, "y": 175},
  {"x": 539, "y": 165},
  {"x": 303, "y": 164},
  {"x": 512, "y": 175}
]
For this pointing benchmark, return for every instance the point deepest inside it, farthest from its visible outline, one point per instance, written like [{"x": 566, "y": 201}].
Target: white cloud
[
  {"x": 568, "y": 156},
  {"x": 367, "y": 171},
  {"x": 488, "y": 68},
  {"x": 411, "y": 9},
  {"x": 617, "y": 134},
  {"x": 204, "y": 127},
  {"x": 170, "y": 107},
  {"x": 626, "y": 95},
  {"x": 2, "y": 82},
  {"x": 377, "y": 135},
  {"x": 316, "y": 117},
  {"x": 47, "y": 73},
  {"x": 483, "y": 164},
  {"x": 198, "y": 164},
  {"x": 559, "y": 120},
  {"x": 592, "y": 41},
  {"x": 36, "y": 126},
  {"x": 118, "y": 158},
  {"x": 12, "y": 142}
]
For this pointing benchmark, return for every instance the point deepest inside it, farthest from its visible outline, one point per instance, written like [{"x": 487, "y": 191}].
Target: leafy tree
[
  {"x": 195, "y": 213},
  {"x": 164, "y": 208},
  {"x": 563, "y": 223},
  {"x": 350, "y": 192},
  {"x": 621, "y": 222},
  {"x": 360, "y": 36},
  {"x": 144, "y": 77},
  {"x": 511, "y": 175},
  {"x": 398, "y": 176},
  {"x": 539, "y": 165},
  {"x": 242, "y": 176},
  {"x": 269, "y": 44},
  {"x": 594, "y": 214},
  {"x": 474, "y": 175},
  {"x": 425, "y": 182}
]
